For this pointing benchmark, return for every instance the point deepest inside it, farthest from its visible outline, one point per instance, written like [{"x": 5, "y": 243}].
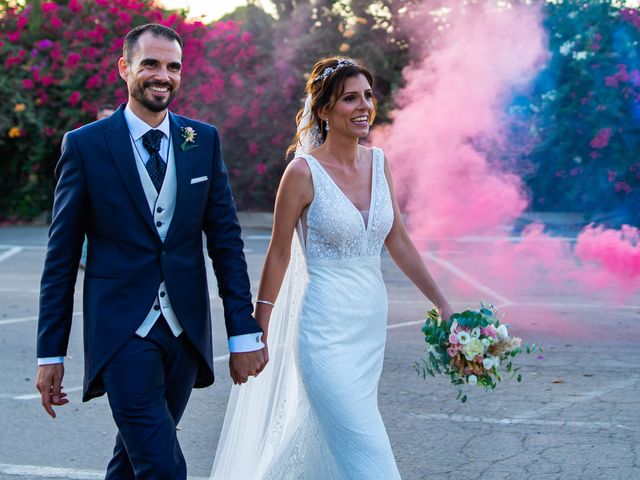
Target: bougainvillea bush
[
  {"x": 59, "y": 62},
  {"x": 586, "y": 115}
]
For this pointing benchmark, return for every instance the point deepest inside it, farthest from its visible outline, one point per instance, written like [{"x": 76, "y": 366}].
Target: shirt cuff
[
  {"x": 50, "y": 360},
  {"x": 249, "y": 342}
]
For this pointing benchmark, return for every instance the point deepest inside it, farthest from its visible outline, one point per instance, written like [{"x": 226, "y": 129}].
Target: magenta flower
[
  {"x": 622, "y": 187},
  {"x": 261, "y": 168},
  {"x": 74, "y": 98},
  {"x": 49, "y": 7},
  {"x": 72, "y": 60},
  {"x": 94, "y": 82},
  {"x": 44, "y": 44},
  {"x": 27, "y": 84},
  {"x": 601, "y": 140},
  {"x": 253, "y": 148},
  {"x": 56, "y": 22},
  {"x": 75, "y": 6}
]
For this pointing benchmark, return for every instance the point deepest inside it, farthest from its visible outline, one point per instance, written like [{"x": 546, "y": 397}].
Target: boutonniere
[{"x": 189, "y": 136}]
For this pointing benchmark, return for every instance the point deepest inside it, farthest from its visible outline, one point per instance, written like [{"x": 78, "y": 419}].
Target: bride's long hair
[{"x": 324, "y": 89}]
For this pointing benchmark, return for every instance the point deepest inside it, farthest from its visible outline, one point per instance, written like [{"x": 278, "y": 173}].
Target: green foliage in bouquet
[{"x": 471, "y": 347}]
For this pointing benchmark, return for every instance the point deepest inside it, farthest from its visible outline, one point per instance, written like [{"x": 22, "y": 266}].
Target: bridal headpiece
[{"x": 342, "y": 62}]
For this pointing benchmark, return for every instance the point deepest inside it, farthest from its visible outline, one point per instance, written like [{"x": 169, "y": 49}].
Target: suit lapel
[
  {"x": 184, "y": 162},
  {"x": 119, "y": 142}
]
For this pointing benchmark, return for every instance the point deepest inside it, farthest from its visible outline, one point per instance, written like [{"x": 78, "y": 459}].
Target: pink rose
[
  {"x": 452, "y": 352},
  {"x": 453, "y": 339}
]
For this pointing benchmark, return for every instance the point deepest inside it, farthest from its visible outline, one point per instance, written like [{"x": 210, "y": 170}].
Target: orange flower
[
  {"x": 15, "y": 132},
  {"x": 20, "y": 107},
  {"x": 344, "y": 47}
]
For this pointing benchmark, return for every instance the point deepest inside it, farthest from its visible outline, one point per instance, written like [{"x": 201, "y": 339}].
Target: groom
[{"x": 143, "y": 184}]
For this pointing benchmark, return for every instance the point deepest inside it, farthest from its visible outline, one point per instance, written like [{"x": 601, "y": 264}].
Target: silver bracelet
[{"x": 266, "y": 302}]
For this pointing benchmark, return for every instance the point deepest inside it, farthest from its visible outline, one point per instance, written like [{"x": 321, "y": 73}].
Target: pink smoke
[
  {"x": 448, "y": 189},
  {"x": 453, "y": 95}
]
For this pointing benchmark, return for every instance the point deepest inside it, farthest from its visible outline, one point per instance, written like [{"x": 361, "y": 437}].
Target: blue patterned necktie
[{"x": 155, "y": 166}]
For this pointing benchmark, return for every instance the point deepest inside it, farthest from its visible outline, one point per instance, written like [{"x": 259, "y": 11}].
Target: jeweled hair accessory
[{"x": 342, "y": 62}]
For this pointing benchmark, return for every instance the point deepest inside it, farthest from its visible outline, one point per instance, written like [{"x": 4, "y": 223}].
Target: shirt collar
[{"x": 138, "y": 127}]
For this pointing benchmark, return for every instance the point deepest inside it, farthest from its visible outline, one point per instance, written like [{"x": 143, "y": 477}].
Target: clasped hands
[{"x": 247, "y": 364}]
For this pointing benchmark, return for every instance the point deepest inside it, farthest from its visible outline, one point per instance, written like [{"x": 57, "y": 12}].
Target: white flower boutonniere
[{"x": 189, "y": 136}]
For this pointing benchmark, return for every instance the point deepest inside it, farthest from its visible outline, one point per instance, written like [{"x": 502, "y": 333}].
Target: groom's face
[{"x": 152, "y": 72}]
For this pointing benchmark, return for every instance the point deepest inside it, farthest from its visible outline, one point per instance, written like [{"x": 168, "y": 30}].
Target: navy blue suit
[{"x": 99, "y": 193}]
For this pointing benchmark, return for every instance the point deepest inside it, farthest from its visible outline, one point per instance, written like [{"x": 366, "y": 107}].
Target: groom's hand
[
  {"x": 246, "y": 364},
  {"x": 49, "y": 384}
]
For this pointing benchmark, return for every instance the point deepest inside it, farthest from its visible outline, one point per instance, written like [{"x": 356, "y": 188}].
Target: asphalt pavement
[{"x": 574, "y": 416}]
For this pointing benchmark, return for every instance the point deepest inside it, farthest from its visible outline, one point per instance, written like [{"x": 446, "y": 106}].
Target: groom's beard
[{"x": 152, "y": 102}]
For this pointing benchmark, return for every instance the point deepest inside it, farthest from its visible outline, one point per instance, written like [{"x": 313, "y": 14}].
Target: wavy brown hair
[{"x": 324, "y": 93}]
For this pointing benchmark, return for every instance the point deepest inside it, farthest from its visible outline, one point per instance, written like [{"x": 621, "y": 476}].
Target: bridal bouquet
[{"x": 471, "y": 347}]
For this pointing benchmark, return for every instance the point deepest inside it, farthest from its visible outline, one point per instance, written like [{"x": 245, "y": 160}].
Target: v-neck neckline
[{"x": 344, "y": 195}]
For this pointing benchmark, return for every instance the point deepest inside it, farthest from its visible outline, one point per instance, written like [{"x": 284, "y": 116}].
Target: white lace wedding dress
[{"x": 313, "y": 413}]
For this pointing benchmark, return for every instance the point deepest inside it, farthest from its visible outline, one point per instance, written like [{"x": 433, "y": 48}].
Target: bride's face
[{"x": 352, "y": 113}]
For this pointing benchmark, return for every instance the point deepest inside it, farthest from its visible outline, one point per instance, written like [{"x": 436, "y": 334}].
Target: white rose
[
  {"x": 464, "y": 337},
  {"x": 473, "y": 380},
  {"x": 475, "y": 333},
  {"x": 486, "y": 342},
  {"x": 502, "y": 332}
]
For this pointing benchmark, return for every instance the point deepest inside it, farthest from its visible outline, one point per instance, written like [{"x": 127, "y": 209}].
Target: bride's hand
[{"x": 445, "y": 311}]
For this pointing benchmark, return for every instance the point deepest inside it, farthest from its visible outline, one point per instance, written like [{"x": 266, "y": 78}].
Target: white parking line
[
  {"x": 24, "y": 247},
  {"x": 596, "y": 306},
  {"x": 405, "y": 324},
  {"x": 20, "y": 290},
  {"x": 514, "y": 239},
  {"x": 32, "y": 471},
  {"x": 503, "y": 301},
  {"x": 27, "y": 319},
  {"x": 258, "y": 237},
  {"x": 10, "y": 253},
  {"x": 518, "y": 421}
]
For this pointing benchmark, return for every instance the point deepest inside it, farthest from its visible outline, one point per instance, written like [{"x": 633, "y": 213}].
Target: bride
[{"x": 313, "y": 412}]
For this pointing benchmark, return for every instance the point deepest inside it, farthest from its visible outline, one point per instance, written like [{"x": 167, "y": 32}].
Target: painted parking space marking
[
  {"x": 33, "y": 318},
  {"x": 520, "y": 421},
  {"x": 464, "y": 276},
  {"x": 10, "y": 253},
  {"x": 35, "y": 471}
]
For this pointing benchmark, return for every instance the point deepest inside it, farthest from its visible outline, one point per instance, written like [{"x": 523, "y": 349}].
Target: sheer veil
[{"x": 263, "y": 414}]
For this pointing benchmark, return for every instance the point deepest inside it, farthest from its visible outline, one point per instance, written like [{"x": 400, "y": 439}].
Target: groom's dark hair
[{"x": 155, "y": 28}]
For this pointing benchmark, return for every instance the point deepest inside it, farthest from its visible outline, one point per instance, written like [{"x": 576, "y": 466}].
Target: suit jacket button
[
  {"x": 156, "y": 307},
  {"x": 159, "y": 209},
  {"x": 162, "y": 294},
  {"x": 158, "y": 224}
]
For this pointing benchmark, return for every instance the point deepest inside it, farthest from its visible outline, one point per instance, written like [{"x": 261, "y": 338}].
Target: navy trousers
[{"x": 148, "y": 383}]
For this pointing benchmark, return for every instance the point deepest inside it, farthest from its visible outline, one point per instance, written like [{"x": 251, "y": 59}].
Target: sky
[{"x": 210, "y": 9}]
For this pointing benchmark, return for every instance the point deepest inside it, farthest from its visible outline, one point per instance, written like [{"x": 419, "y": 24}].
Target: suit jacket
[{"x": 99, "y": 193}]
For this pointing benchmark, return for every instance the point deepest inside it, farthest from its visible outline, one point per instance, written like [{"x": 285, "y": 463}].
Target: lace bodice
[{"x": 335, "y": 229}]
